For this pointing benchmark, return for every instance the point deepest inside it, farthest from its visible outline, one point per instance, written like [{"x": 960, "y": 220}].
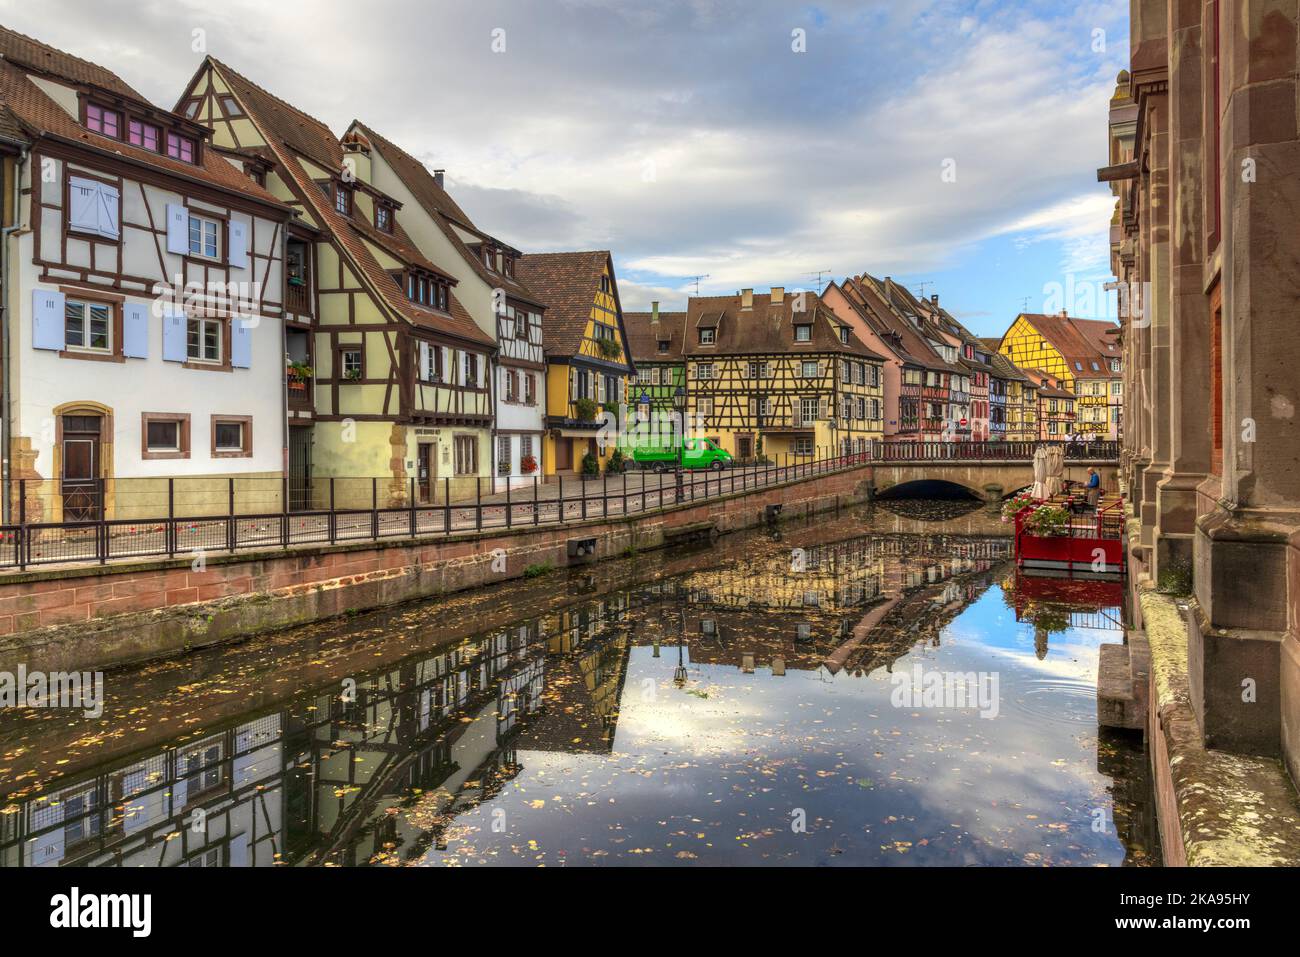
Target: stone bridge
[{"x": 991, "y": 481}]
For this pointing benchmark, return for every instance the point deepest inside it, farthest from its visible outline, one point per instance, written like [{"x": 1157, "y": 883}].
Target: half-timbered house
[
  {"x": 778, "y": 375},
  {"x": 588, "y": 359},
  {"x": 488, "y": 287},
  {"x": 397, "y": 370},
  {"x": 143, "y": 303},
  {"x": 658, "y": 390}
]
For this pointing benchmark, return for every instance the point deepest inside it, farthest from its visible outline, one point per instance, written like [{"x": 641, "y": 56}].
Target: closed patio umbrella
[
  {"x": 1055, "y": 469},
  {"x": 1039, "y": 490}
]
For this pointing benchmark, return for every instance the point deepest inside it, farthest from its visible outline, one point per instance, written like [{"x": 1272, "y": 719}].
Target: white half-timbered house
[
  {"x": 142, "y": 306},
  {"x": 397, "y": 373},
  {"x": 499, "y": 302}
]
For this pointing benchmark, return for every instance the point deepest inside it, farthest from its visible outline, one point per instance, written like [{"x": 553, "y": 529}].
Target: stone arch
[{"x": 927, "y": 488}]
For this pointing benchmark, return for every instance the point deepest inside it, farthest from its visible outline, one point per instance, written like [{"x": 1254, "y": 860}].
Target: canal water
[{"x": 877, "y": 687}]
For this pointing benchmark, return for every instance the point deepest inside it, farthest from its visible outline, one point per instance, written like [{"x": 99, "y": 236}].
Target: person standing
[{"x": 1093, "y": 489}]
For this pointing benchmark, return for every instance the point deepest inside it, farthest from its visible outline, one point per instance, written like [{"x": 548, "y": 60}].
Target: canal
[{"x": 876, "y": 687}]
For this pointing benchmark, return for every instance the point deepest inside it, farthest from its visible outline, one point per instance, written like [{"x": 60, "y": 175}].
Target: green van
[{"x": 691, "y": 454}]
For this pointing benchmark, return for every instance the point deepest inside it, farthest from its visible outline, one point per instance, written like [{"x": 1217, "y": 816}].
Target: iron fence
[{"x": 116, "y": 519}]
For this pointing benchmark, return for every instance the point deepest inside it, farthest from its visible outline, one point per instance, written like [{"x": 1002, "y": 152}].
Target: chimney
[
  {"x": 437, "y": 177},
  {"x": 746, "y": 299},
  {"x": 889, "y": 288},
  {"x": 654, "y": 311},
  {"x": 934, "y": 299},
  {"x": 778, "y": 295}
]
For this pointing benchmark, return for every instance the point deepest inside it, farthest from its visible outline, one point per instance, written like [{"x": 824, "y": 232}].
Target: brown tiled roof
[
  {"x": 766, "y": 328},
  {"x": 42, "y": 58},
  {"x": 1004, "y": 368},
  {"x": 644, "y": 337},
  {"x": 443, "y": 210},
  {"x": 1080, "y": 341},
  {"x": 289, "y": 131},
  {"x": 889, "y": 320},
  {"x": 39, "y": 115},
  {"x": 1047, "y": 384},
  {"x": 567, "y": 283},
  {"x": 9, "y": 125}
]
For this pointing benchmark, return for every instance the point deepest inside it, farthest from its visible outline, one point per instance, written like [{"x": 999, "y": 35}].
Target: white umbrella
[
  {"x": 1039, "y": 491},
  {"x": 1055, "y": 469}
]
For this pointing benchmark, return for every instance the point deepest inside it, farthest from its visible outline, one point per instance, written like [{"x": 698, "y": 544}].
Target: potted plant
[
  {"x": 585, "y": 409},
  {"x": 590, "y": 466},
  {"x": 1012, "y": 506},
  {"x": 1047, "y": 521},
  {"x": 528, "y": 465},
  {"x": 609, "y": 348},
  {"x": 298, "y": 374},
  {"x": 617, "y": 463}
]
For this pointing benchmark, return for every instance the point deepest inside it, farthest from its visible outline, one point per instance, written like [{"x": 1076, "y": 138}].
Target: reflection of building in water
[
  {"x": 212, "y": 802},
  {"x": 383, "y": 770}
]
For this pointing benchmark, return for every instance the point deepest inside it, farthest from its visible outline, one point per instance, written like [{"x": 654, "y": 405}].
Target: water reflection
[{"x": 735, "y": 712}]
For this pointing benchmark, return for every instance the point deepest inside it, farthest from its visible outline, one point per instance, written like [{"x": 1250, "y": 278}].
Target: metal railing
[{"x": 116, "y": 519}]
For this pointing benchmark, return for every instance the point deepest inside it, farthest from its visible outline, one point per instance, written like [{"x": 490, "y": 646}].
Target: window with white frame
[
  {"x": 808, "y": 409},
  {"x": 203, "y": 339},
  {"x": 704, "y": 406},
  {"x": 704, "y": 370},
  {"x": 803, "y": 333},
  {"x": 803, "y": 445},
  {"x": 205, "y": 237},
  {"x": 809, "y": 369},
  {"x": 503, "y": 455},
  {"x": 708, "y": 335},
  {"x": 88, "y": 326}
]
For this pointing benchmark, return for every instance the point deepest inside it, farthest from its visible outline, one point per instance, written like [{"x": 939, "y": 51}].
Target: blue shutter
[
  {"x": 47, "y": 319},
  {"x": 178, "y": 229},
  {"x": 241, "y": 343},
  {"x": 237, "y": 252},
  {"x": 135, "y": 330},
  {"x": 174, "y": 328},
  {"x": 107, "y": 203}
]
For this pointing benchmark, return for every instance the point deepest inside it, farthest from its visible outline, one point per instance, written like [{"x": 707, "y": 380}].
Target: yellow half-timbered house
[
  {"x": 388, "y": 375},
  {"x": 588, "y": 359},
  {"x": 779, "y": 375},
  {"x": 1083, "y": 356}
]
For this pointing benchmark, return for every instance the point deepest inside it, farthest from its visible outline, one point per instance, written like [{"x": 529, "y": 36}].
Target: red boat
[{"x": 1088, "y": 544}]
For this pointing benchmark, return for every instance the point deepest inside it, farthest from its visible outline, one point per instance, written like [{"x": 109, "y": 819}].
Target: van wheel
[
  {"x": 657, "y": 468},
  {"x": 716, "y": 466}
]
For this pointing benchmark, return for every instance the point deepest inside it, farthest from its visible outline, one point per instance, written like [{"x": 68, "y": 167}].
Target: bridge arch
[{"x": 930, "y": 488}]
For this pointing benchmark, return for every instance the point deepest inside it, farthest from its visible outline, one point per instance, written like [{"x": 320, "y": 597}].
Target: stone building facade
[{"x": 1205, "y": 166}]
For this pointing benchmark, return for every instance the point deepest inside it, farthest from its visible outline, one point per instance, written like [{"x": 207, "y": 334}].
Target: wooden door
[
  {"x": 563, "y": 455},
  {"x": 80, "y": 478},
  {"x": 424, "y": 469},
  {"x": 744, "y": 447}
]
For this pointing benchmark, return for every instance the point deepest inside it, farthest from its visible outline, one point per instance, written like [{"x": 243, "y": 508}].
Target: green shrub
[
  {"x": 536, "y": 571},
  {"x": 585, "y": 408}
]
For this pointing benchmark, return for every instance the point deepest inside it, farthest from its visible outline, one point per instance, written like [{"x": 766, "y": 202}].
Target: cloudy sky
[{"x": 750, "y": 141}]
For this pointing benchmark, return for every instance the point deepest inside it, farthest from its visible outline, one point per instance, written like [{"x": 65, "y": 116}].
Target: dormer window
[
  {"x": 183, "y": 148},
  {"x": 104, "y": 121},
  {"x": 342, "y": 200},
  {"x": 844, "y": 334},
  {"x": 708, "y": 336},
  {"x": 427, "y": 292},
  {"x": 144, "y": 135},
  {"x": 383, "y": 218},
  {"x": 663, "y": 345},
  {"x": 803, "y": 333},
  {"x": 508, "y": 266}
]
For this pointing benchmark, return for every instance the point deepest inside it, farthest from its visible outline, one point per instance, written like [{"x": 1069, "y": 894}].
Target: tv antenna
[
  {"x": 819, "y": 273},
  {"x": 921, "y": 286},
  {"x": 696, "y": 280},
  {"x": 1024, "y": 306}
]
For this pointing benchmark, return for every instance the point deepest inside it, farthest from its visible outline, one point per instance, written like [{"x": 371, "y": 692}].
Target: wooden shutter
[
  {"x": 237, "y": 245},
  {"x": 173, "y": 326},
  {"x": 178, "y": 229},
  {"x": 83, "y": 204},
  {"x": 107, "y": 201},
  {"x": 241, "y": 343},
  {"x": 135, "y": 330},
  {"x": 47, "y": 319}
]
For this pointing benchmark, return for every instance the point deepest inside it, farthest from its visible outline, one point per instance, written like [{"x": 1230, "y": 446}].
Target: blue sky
[{"x": 701, "y": 136}]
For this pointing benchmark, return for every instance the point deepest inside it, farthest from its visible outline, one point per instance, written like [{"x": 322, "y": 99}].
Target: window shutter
[
  {"x": 173, "y": 326},
  {"x": 106, "y": 205},
  {"x": 178, "y": 229},
  {"x": 237, "y": 251},
  {"x": 424, "y": 360},
  {"x": 47, "y": 319},
  {"x": 241, "y": 343},
  {"x": 135, "y": 330},
  {"x": 83, "y": 204},
  {"x": 821, "y": 409}
]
